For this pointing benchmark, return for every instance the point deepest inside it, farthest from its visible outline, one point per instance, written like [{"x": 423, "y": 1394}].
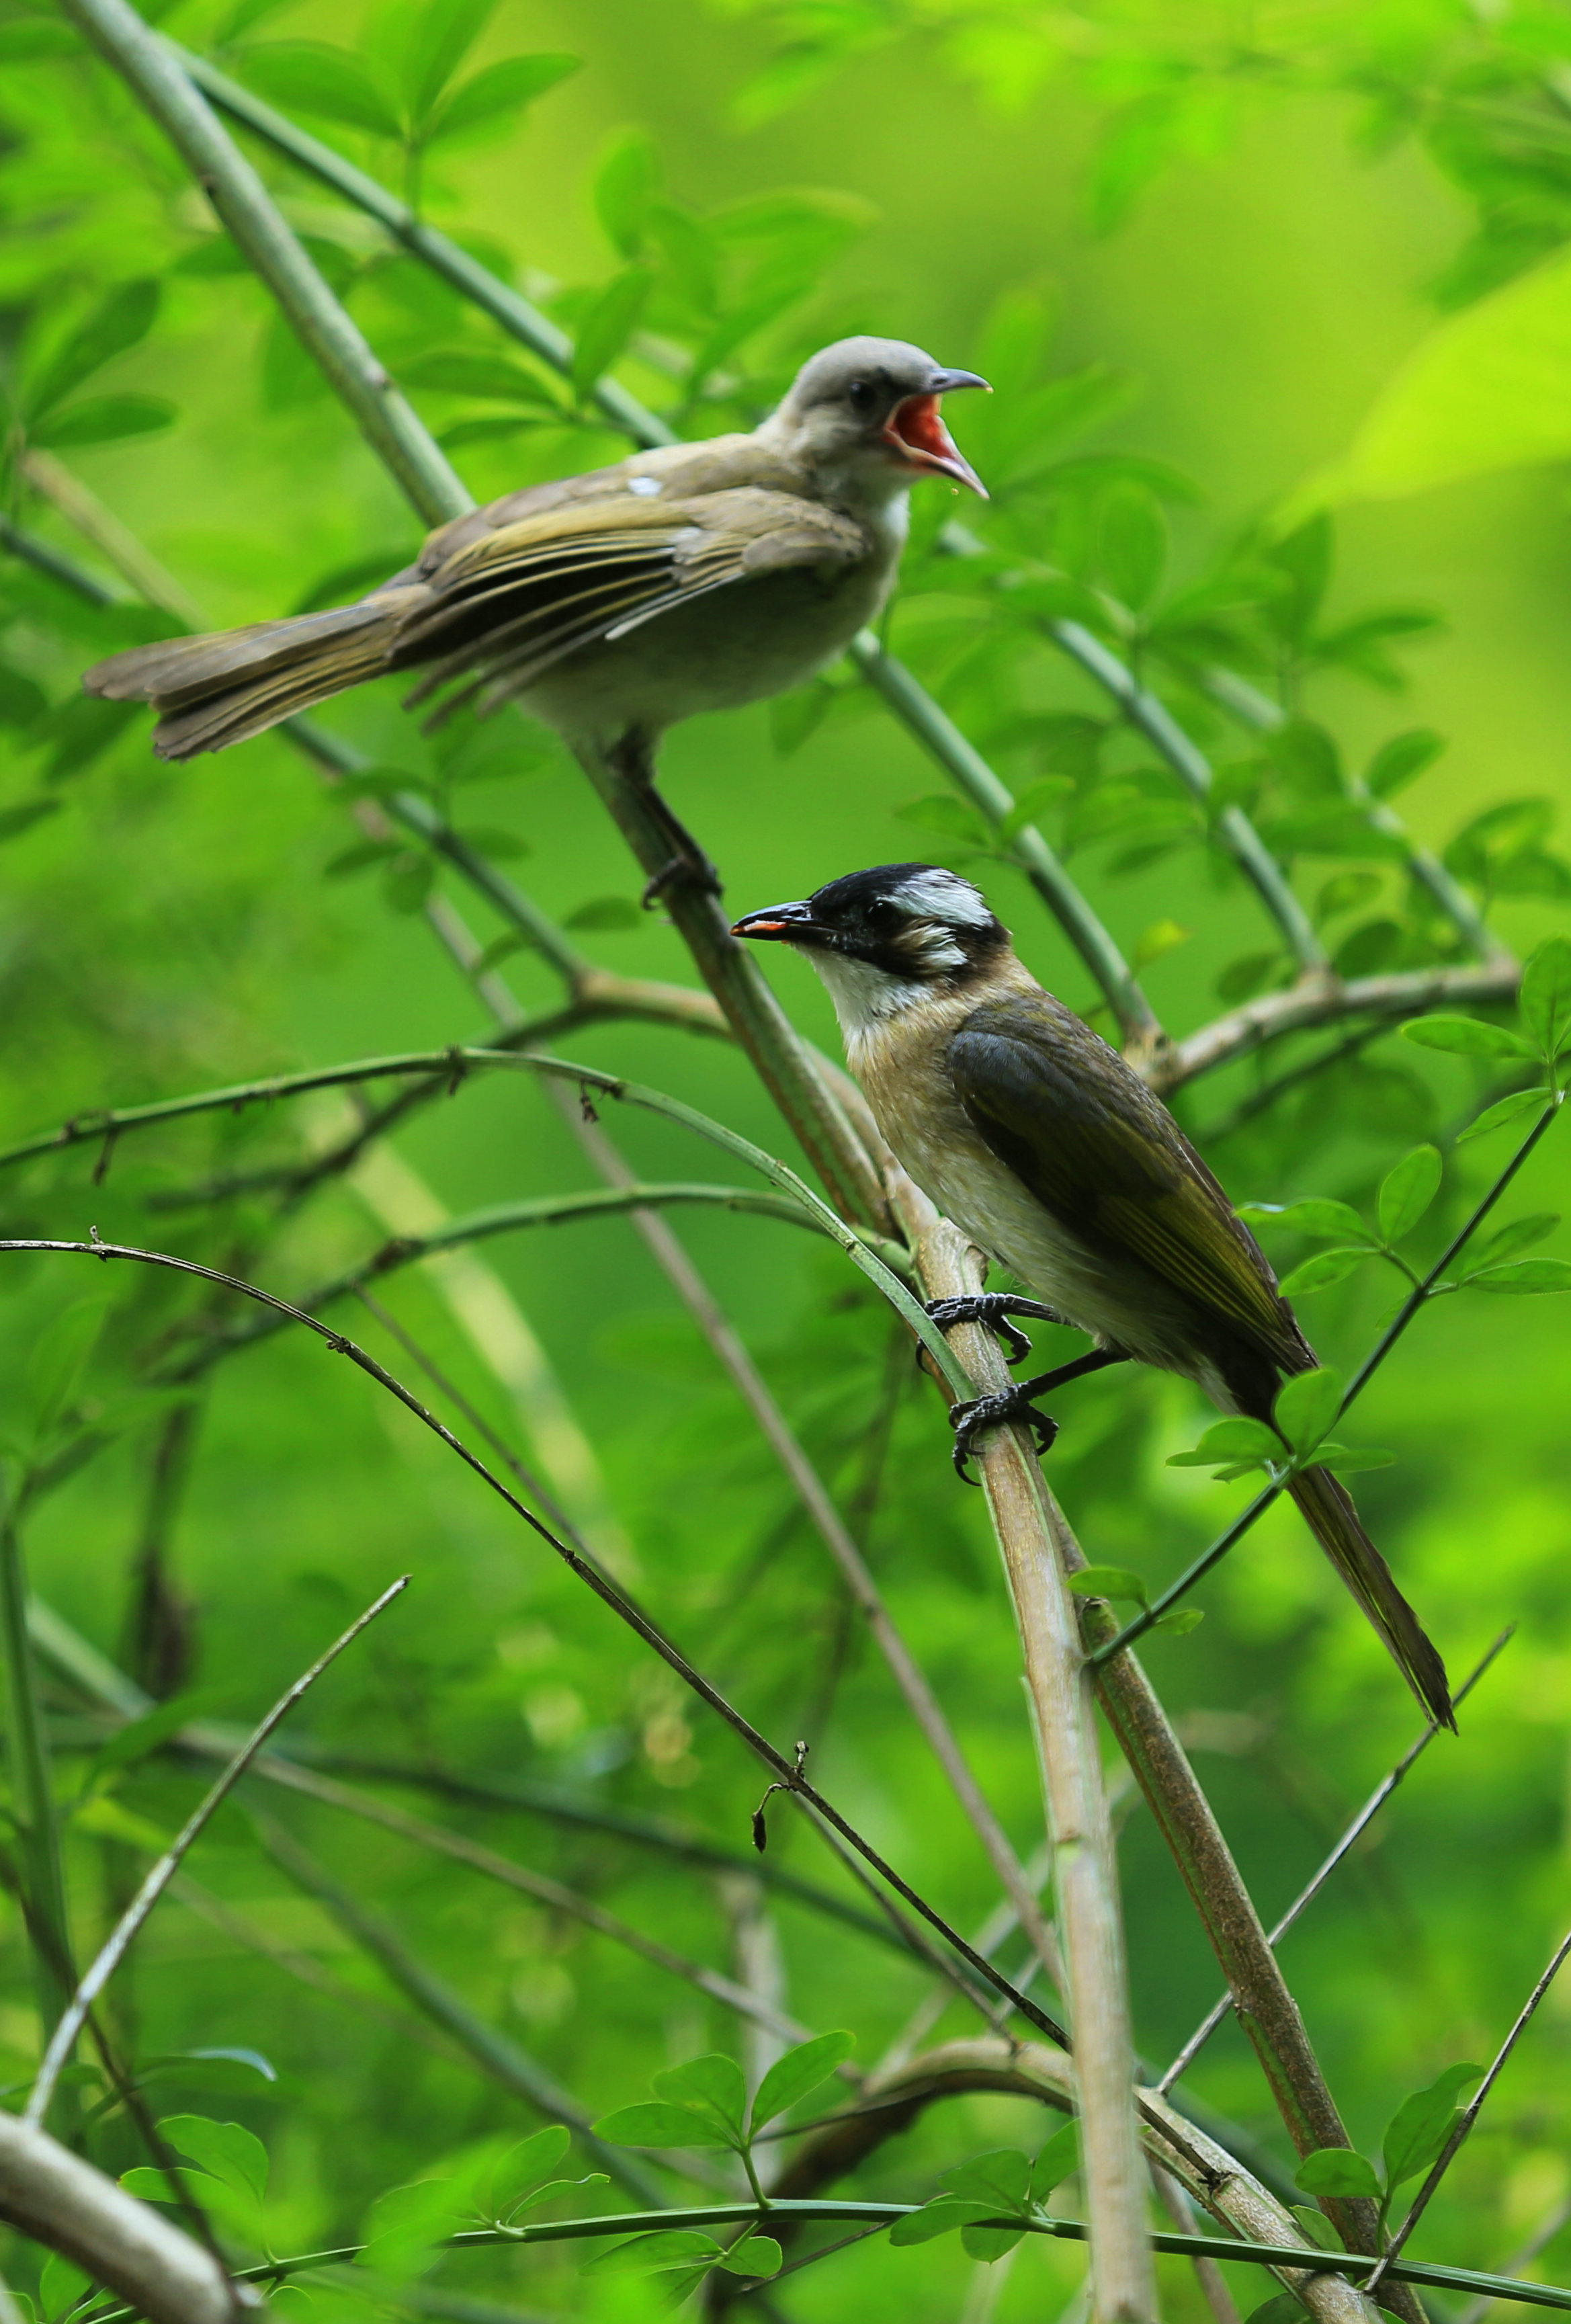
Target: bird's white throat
[{"x": 866, "y": 997}]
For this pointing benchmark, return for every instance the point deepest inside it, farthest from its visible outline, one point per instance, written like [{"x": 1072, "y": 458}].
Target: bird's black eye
[
  {"x": 884, "y": 919},
  {"x": 861, "y": 395}
]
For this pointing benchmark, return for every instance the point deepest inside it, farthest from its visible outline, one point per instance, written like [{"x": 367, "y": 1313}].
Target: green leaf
[
  {"x": 714, "y": 2087},
  {"x": 1001, "y": 2179},
  {"x": 497, "y": 89},
  {"x": 1319, "y": 2230},
  {"x": 60, "y": 2286},
  {"x": 1058, "y": 2160},
  {"x": 22, "y": 701},
  {"x": 1307, "y": 1404},
  {"x": 230, "y": 2152},
  {"x": 1316, "y": 1215},
  {"x": 1134, "y": 544},
  {"x": 754, "y": 2255},
  {"x": 799, "y": 2070},
  {"x": 1282, "y": 2307},
  {"x": 988, "y": 2244},
  {"x": 605, "y": 913},
  {"x": 407, "y": 881},
  {"x": 15, "y": 820},
  {"x": 487, "y": 839},
  {"x": 329, "y": 83},
  {"x": 1545, "y": 995},
  {"x": 1504, "y": 1110},
  {"x": 1032, "y": 803},
  {"x": 407, "y": 2228},
  {"x": 1159, "y": 938},
  {"x": 359, "y": 857},
  {"x": 949, "y": 818},
  {"x": 60, "y": 1355},
  {"x": 650, "y": 2254},
  {"x": 1524, "y": 1275},
  {"x": 651, "y": 2125},
  {"x": 1180, "y": 1621},
  {"x": 1230, "y": 1440},
  {"x": 459, "y": 371},
  {"x": 103, "y": 419},
  {"x": 1402, "y": 760},
  {"x": 942, "y": 2217},
  {"x": 159, "y": 2187},
  {"x": 1519, "y": 1236},
  {"x": 1466, "y": 1036},
  {"x": 1349, "y": 1460},
  {"x": 438, "y": 39},
  {"x": 1306, "y": 754},
  {"x": 1485, "y": 389},
  {"x": 122, "y": 320},
  {"x": 1407, "y": 1190},
  {"x": 1422, "y": 2124},
  {"x": 1336, "y": 2171},
  {"x": 1325, "y": 1268},
  {"x": 503, "y": 2184},
  {"x": 1109, "y": 1582},
  {"x": 627, "y": 181},
  {"x": 608, "y": 326}
]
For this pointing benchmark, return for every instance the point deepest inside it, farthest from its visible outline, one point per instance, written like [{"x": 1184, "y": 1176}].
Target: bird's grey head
[
  {"x": 867, "y": 409},
  {"x": 887, "y": 939}
]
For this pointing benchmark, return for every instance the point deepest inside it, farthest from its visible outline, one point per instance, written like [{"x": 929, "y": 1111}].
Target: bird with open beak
[
  {"x": 1041, "y": 1144},
  {"x": 695, "y": 576}
]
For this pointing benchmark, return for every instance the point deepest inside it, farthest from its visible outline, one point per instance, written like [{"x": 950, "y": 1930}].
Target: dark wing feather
[
  {"x": 1067, "y": 1115},
  {"x": 521, "y": 595}
]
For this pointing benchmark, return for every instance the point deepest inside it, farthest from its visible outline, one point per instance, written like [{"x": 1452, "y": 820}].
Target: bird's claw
[
  {"x": 972, "y": 1420},
  {"x": 993, "y": 1308}
]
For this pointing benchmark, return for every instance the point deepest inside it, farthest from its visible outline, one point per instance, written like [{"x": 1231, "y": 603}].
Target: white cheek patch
[{"x": 943, "y": 895}]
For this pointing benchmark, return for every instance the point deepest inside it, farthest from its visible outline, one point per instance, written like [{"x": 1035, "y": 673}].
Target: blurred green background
[{"x": 173, "y": 928}]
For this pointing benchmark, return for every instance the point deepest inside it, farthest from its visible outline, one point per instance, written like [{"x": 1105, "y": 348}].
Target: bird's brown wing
[
  {"x": 514, "y": 599},
  {"x": 1067, "y": 1115}
]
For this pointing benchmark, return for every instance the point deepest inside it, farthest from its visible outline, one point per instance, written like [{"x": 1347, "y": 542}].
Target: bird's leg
[
  {"x": 1019, "y": 1403},
  {"x": 993, "y": 1308},
  {"x": 689, "y": 866}
]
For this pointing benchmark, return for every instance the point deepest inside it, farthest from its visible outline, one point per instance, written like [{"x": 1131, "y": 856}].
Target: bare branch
[{"x": 57, "y": 2199}]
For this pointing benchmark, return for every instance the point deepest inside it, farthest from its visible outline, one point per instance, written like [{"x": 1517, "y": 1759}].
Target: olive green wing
[
  {"x": 513, "y": 600},
  {"x": 1067, "y": 1115}
]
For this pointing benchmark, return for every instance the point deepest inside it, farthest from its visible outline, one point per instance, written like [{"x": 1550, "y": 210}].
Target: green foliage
[{"x": 1414, "y": 2139}]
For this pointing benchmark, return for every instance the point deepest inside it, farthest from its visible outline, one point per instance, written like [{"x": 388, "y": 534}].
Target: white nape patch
[
  {"x": 646, "y": 487},
  {"x": 863, "y": 996},
  {"x": 943, "y": 896}
]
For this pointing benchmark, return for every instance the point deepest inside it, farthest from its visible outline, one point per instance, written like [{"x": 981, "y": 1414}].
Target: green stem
[
  {"x": 1312, "y": 2259},
  {"x": 54, "y": 1977}
]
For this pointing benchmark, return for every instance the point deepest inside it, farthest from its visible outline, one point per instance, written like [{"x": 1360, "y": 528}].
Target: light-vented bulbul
[
  {"x": 695, "y": 576},
  {"x": 1037, "y": 1139}
]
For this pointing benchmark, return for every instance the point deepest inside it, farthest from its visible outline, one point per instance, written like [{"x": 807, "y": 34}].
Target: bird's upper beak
[
  {"x": 778, "y": 924},
  {"x": 915, "y": 432}
]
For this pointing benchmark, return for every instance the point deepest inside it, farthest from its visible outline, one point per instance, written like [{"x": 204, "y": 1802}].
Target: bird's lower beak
[
  {"x": 777, "y": 924},
  {"x": 915, "y": 432}
]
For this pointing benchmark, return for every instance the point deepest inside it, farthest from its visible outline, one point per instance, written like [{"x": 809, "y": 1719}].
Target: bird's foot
[
  {"x": 696, "y": 872},
  {"x": 972, "y": 1420},
  {"x": 993, "y": 1308}
]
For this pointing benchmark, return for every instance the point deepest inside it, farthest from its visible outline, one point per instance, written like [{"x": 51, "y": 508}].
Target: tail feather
[
  {"x": 1328, "y": 1512},
  {"x": 212, "y": 691}
]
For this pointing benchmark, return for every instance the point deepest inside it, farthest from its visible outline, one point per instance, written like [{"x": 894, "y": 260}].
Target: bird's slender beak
[
  {"x": 917, "y": 434},
  {"x": 778, "y": 924}
]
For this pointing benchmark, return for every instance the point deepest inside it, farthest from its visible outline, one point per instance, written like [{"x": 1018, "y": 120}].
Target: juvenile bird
[
  {"x": 1041, "y": 1144},
  {"x": 695, "y": 577}
]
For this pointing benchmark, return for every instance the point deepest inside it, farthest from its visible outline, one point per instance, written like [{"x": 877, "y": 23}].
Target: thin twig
[
  {"x": 1349, "y": 1840},
  {"x": 1377, "y": 1355},
  {"x": 1470, "y": 2113},
  {"x": 123, "y": 1934}
]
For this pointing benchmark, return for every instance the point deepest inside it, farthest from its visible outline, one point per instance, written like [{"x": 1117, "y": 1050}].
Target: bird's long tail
[
  {"x": 1328, "y": 1512},
  {"x": 212, "y": 691}
]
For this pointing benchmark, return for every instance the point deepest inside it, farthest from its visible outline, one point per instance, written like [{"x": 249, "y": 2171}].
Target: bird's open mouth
[{"x": 916, "y": 433}]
